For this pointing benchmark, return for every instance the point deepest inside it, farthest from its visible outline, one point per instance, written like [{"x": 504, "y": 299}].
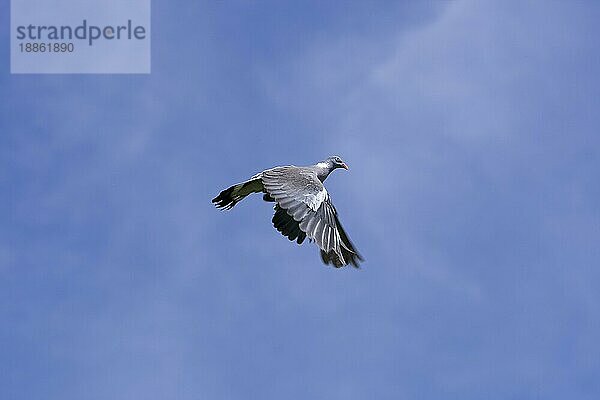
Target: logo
[{"x": 71, "y": 36}]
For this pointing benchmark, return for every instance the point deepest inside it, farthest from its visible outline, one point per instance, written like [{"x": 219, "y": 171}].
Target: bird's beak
[{"x": 345, "y": 166}]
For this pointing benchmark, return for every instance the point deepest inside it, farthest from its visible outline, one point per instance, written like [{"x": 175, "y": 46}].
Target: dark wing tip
[
  {"x": 332, "y": 258},
  {"x": 287, "y": 225},
  {"x": 224, "y": 200},
  {"x": 354, "y": 262}
]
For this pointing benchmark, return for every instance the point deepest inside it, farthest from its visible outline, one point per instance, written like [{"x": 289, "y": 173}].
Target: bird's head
[
  {"x": 334, "y": 162},
  {"x": 325, "y": 167}
]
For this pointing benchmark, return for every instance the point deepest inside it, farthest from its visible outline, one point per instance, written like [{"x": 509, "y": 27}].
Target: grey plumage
[{"x": 303, "y": 207}]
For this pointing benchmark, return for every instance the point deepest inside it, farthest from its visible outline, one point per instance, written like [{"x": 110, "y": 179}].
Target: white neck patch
[{"x": 322, "y": 165}]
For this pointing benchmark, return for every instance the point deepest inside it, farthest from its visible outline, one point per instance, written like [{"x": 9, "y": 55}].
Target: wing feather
[{"x": 304, "y": 209}]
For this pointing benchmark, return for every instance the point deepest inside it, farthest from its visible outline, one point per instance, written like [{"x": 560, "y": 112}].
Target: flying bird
[{"x": 303, "y": 207}]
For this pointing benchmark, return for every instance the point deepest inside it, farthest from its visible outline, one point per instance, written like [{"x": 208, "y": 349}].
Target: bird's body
[{"x": 303, "y": 207}]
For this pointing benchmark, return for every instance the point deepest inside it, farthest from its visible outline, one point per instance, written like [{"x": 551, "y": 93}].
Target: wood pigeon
[{"x": 302, "y": 207}]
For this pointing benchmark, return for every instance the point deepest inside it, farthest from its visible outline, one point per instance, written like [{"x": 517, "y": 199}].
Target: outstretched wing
[
  {"x": 301, "y": 194},
  {"x": 229, "y": 197}
]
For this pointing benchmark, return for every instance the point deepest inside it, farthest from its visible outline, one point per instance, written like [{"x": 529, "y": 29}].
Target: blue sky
[{"x": 471, "y": 131}]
